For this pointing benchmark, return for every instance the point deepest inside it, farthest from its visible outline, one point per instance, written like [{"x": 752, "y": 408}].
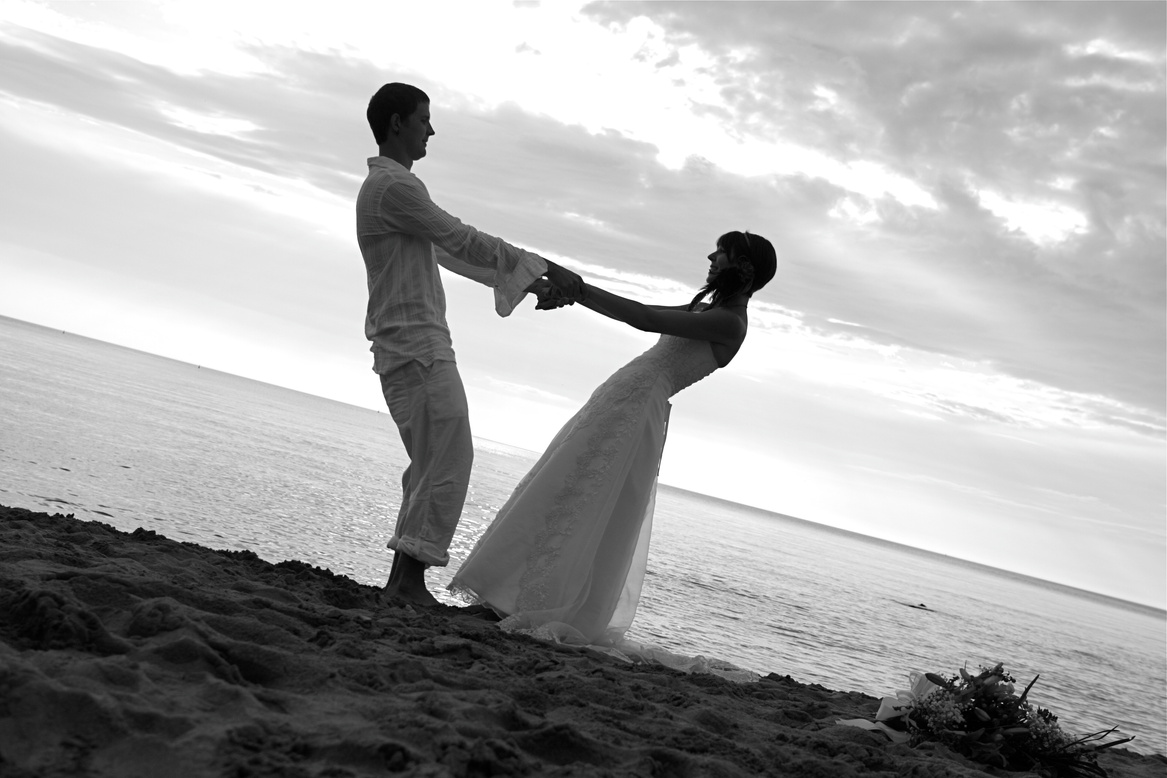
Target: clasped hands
[{"x": 558, "y": 288}]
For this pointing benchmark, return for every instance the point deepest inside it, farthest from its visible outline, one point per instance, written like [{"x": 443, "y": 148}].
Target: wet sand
[{"x": 128, "y": 654}]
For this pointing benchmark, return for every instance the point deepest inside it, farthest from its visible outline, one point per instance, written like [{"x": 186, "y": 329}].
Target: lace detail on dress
[
  {"x": 609, "y": 417},
  {"x": 463, "y": 594},
  {"x": 613, "y": 413}
]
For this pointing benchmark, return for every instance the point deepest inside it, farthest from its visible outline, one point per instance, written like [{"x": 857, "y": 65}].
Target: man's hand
[
  {"x": 568, "y": 283},
  {"x": 548, "y": 295}
]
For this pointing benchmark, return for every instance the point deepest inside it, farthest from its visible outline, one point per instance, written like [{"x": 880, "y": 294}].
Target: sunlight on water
[{"x": 140, "y": 441}]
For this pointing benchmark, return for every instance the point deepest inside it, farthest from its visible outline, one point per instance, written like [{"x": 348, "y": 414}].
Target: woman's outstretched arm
[{"x": 718, "y": 324}]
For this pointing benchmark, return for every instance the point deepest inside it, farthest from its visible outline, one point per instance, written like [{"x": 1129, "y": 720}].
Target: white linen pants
[{"x": 428, "y": 404}]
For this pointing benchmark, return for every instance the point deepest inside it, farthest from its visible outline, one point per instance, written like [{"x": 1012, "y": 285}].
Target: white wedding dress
[{"x": 565, "y": 557}]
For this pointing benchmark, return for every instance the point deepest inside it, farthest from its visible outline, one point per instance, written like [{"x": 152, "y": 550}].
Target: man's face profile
[{"x": 415, "y": 130}]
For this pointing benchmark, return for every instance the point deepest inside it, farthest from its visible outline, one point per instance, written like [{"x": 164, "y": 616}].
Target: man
[{"x": 398, "y": 229}]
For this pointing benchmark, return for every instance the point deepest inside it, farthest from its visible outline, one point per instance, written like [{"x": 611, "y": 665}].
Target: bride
[{"x": 565, "y": 557}]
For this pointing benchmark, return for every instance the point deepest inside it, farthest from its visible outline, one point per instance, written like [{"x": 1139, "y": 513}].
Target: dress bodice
[
  {"x": 670, "y": 365},
  {"x": 681, "y": 362}
]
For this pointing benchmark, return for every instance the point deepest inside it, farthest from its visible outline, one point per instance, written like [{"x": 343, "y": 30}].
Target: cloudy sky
[{"x": 963, "y": 349}]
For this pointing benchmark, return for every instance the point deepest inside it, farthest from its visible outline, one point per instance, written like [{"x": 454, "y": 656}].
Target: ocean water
[{"x": 135, "y": 440}]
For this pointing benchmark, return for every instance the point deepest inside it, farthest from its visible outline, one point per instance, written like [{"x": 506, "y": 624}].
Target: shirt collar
[{"x": 386, "y": 163}]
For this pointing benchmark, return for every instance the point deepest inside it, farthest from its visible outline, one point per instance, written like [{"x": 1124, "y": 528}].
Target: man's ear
[{"x": 395, "y": 123}]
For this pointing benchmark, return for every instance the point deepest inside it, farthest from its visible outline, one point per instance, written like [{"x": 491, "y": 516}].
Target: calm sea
[{"x": 136, "y": 440}]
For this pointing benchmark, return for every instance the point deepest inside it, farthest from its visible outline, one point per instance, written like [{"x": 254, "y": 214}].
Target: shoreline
[{"x": 130, "y": 654}]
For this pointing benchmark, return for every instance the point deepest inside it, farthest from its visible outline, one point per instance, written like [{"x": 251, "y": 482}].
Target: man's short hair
[{"x": 395, "y": 98}]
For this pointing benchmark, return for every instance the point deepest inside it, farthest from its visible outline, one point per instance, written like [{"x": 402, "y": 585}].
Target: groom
[{"x": 398, "y": 229}]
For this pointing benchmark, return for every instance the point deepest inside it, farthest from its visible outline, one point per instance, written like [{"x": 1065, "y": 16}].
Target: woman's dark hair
[
  {"x": 755, "y": 263},
  {"x": 395, "y": 98}
]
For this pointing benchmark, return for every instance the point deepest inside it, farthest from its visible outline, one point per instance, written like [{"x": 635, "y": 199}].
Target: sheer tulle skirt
[{"x": 566, "y": 556}]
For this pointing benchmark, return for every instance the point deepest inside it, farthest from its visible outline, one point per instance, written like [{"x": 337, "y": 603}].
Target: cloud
[
  {"x": 1037, "y": 128},
  {"x": 208, "y": 123},
  {"x": 957, "y": 279},
  {"x": 1043, "y": 223},
  {"x": 902, "y": 377}
]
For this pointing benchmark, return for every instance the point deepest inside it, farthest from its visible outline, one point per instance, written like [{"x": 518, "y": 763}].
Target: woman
[{"x": 565, "y": 557}]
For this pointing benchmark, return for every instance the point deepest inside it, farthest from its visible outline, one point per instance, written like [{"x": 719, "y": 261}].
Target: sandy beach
[{"x": 134, "y": 655}]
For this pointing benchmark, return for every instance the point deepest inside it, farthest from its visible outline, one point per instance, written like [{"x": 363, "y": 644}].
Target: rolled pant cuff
[{"x": 427, "y": 553}]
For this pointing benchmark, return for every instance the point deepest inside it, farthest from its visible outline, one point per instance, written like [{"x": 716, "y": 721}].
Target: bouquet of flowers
[{"x": 982, "y": 717}]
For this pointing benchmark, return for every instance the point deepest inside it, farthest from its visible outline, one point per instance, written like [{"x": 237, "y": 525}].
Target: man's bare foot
[
  {"x": 410, "y": 596},
  {"x": 406, "y": 583}
]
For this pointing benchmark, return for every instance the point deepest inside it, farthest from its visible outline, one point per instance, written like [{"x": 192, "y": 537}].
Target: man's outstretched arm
[{"x": 406, "y": 206}]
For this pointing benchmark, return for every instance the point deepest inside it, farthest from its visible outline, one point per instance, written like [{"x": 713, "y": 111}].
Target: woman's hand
[
  {"x": 548, "y": 296},
  {"x": 568, "y": 284}
]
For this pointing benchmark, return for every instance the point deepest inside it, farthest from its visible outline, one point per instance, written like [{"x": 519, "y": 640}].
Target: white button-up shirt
[{"x": 398, "y": 229}]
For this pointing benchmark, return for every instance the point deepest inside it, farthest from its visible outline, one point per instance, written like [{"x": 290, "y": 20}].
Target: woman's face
[{"x": 719, "y": 260}]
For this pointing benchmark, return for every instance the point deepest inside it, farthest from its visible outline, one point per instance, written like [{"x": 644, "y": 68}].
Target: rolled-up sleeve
[{"x": 491, "y": 261}]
